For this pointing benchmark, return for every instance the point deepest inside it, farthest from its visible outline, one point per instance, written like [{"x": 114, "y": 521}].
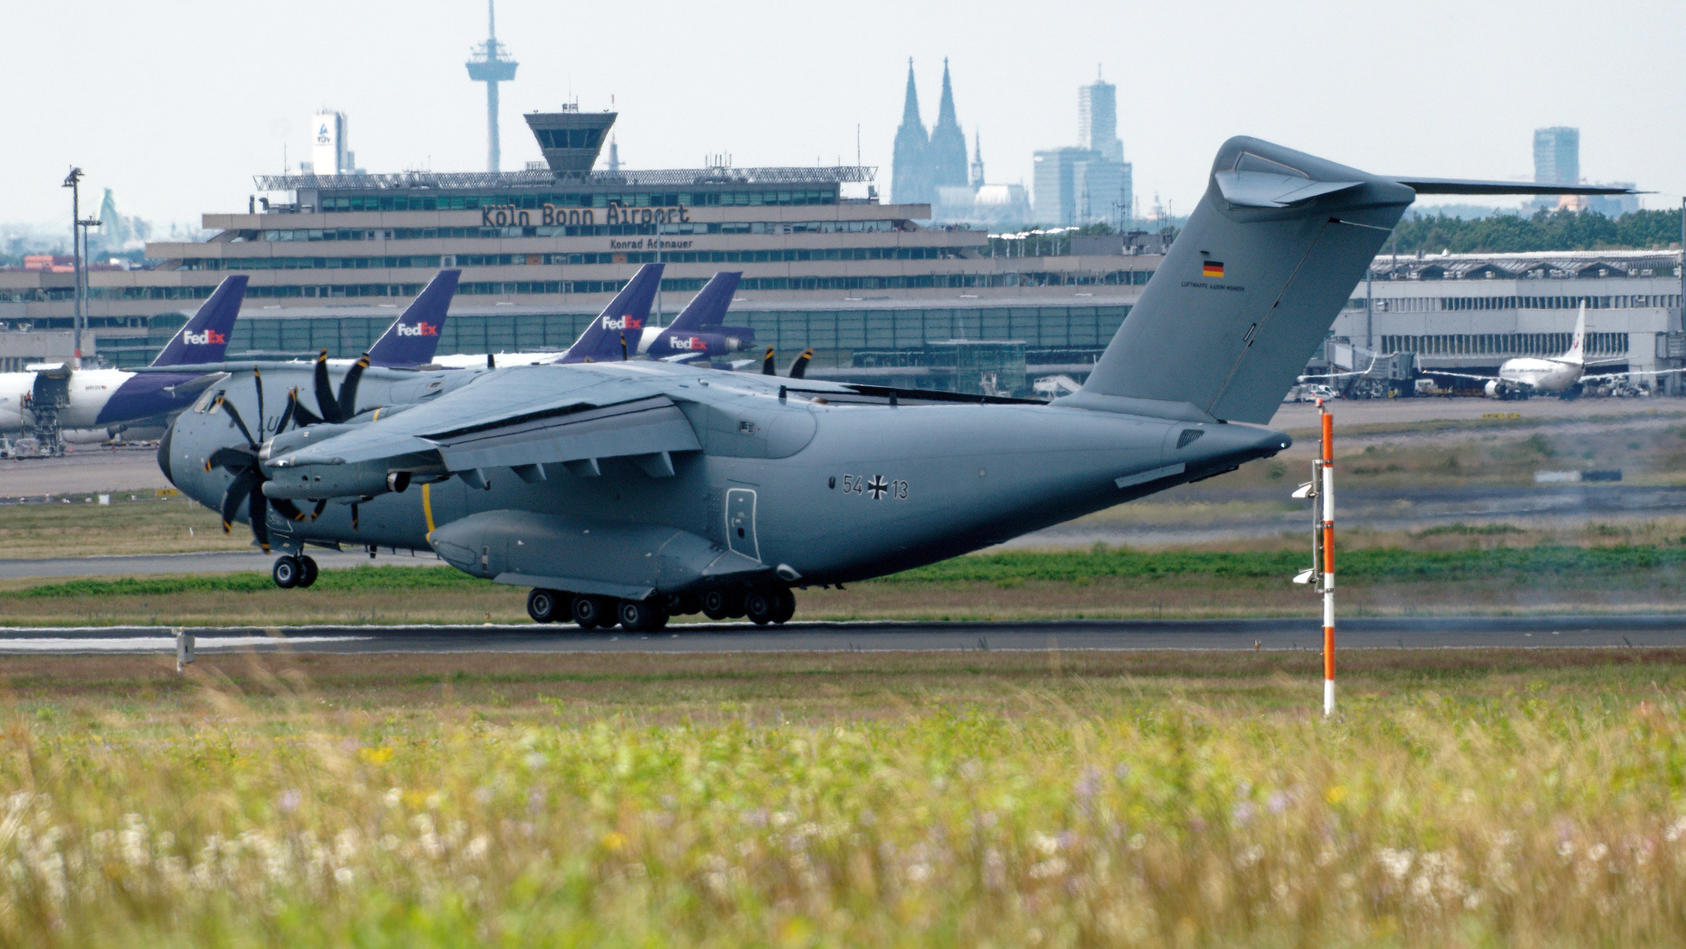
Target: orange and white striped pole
[{"x": 1327, "y": 498}]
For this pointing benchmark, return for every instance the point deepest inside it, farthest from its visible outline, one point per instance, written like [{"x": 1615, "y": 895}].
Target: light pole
[{"x": 70, "y": 181}]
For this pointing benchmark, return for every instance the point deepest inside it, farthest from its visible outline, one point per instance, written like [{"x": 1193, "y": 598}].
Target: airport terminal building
[{"x": 826, "y": 265}]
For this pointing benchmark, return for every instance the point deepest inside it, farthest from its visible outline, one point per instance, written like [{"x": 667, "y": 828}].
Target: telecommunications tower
[{"x": 490, "y": 63}]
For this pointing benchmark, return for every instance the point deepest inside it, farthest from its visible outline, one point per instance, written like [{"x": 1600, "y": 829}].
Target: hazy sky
[{"x": 175, "y": 104}]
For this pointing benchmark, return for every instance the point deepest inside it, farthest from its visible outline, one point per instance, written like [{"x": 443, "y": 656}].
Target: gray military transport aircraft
[{"x": 630, "y": 491}]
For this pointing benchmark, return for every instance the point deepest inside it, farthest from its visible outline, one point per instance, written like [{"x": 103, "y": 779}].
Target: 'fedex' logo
[
  {"x": 624, "y": 323},
  {"x": 420, "y": 329},
  {"x": 203, "y": 339},
  {"x": 695, "y": 344}
]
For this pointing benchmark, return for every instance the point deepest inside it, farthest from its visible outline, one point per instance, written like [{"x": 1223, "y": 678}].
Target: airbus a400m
[{"x": 627, "y": 492}]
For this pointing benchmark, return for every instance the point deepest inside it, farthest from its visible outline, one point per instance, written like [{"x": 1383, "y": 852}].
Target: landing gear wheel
[
  {"x": 760, "y": 605},
  {"x": 543, "y": 605},
  {"x": 307, "y": 571},
  {"x": 721, "y": 604},
  {"x": 592, "y": 612},
  {"x": 682, "y": 604},
  {"x": 285, "y": 573},
  {"x": 786, "y": 606},
  {"x": 641, "y": 616}
]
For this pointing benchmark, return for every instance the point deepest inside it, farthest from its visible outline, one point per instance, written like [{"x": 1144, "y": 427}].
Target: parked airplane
[
  {"x": 1523, "y": 376},
  {"x": 605, "y": 338},
  {"x": 50, "y": 399},
  {"x": 628, "y": 491},
  {"x": 695, "y": 334}
]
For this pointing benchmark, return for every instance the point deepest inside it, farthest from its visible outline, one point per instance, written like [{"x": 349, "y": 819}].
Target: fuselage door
[{"x": 740, "y": 522}]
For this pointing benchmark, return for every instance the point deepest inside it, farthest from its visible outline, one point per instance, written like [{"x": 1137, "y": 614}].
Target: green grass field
[
  {"x": 1461, "y": 798},
  {"x": 1477, "y": 573}
]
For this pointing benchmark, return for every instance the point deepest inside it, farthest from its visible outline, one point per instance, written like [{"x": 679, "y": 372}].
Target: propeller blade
[
  {"x": 767, "y": 363},
  {"x": 231, "y": 459},
  {"x": 234, "y": 414},
  {"x": 348, "y": 388},
  {"x": 257, "y": 382},
  {"x": 799, "y": 368},
  {"x": 353, "y": 516},
  {"x": 258, "y": 512},
  {"x": 321, "y": 506},
  {"x": 287, "y": 509},
  {"x": 326, "y": 403},
  {"x": 238, "y": 491},
  {"x": 288, "y": 412}
]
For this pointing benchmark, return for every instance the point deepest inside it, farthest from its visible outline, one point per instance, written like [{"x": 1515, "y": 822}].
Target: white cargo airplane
[{"x": 1524, "y": 376}]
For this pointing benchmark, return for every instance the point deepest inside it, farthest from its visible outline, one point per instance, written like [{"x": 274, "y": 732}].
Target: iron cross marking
[{"x": 877, "y": 486}]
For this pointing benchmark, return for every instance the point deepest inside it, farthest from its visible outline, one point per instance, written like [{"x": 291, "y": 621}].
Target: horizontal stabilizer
[
  {"x": 1246, "y": 189},
  {"x": 1473, "y": 186}
]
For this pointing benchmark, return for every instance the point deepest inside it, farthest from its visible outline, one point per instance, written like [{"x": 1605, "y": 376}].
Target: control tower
[{"x": 490, "y": 63}]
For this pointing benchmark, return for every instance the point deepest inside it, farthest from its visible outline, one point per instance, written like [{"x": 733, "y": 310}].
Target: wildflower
[
  {"x": 288, "y": 801},
  {"x": 614, "y": 841}
]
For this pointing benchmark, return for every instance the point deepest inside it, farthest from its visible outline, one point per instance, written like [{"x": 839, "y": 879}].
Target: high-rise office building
[
  {"x": 1097, "y": 119},
  {"x": 1089, "y": 183},
  {"x": 1557, "y": 155}
]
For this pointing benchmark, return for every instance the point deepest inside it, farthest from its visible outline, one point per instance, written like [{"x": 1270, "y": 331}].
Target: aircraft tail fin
[
  {"x": 622, "y": 320},
  {"x": 708, "y": 307},
  {"x": 413, "y": 338},
  {"x": 1248, "y": 289},
  {"x": 204, "y": 338},
  {"x": 1577, "y": 343}
]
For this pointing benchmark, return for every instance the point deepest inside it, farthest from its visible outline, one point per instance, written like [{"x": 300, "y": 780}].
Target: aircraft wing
[
  {"x": 1339, "y": 375},
  {"x": 1606, "y": 376},
  {"x": 490, "y": 423},
  {"x": 1463, "y": 375}
]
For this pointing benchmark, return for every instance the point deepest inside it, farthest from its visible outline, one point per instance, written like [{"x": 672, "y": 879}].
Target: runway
[{"x": 1587, "y": 631}]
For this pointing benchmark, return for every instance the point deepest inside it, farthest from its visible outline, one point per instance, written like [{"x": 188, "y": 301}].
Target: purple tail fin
[
  {"x": 624, "y": 317},
  {"x": 205, "y": 337},
  {"x": 708, "y": 307},
  {"x": 413, "y": 338}
]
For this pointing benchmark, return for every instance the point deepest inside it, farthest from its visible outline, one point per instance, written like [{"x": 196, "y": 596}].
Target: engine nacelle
[{"x": 1494, "y": 389}]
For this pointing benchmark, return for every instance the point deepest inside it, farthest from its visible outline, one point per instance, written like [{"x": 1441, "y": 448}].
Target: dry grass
[{"x": 1470, "y": 798}]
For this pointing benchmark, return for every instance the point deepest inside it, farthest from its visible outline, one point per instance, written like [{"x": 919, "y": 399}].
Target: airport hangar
[{"x": 864, "y": 283}]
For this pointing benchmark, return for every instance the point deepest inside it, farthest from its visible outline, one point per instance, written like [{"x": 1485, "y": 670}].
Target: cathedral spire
[
  {"x": 948, "y": 143},
  {"x": 977, "y": 159},
  {"x": 910, "y": 167},
  {"x": 910, "y": 107}
]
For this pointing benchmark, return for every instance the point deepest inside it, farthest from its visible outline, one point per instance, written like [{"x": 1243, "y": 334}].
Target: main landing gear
[
  {"x": 761, "y": 604},
  {"x": 292, "y": 571}
]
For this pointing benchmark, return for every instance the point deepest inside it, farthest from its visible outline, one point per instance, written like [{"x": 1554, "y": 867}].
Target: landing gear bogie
[
  {"x": 547, "y": 606},
  {"x": 642, "y": 616},
  {"x": 592, "y": 612}
]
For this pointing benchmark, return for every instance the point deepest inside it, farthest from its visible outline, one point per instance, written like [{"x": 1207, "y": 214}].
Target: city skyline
[{"x": 177, "y": 132}]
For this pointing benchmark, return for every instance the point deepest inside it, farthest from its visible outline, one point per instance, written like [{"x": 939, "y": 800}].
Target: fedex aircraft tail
[
  {"x": 413, "y": 338},
  {"x": 205, "y": 337},
  {"x": 622, "y": 320},
  {"x": 1577, "y": 344},
  {"x": 708, "y": 307}
]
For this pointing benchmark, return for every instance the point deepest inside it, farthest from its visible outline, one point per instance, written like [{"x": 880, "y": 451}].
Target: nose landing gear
[{"x": 291, "y": 571}]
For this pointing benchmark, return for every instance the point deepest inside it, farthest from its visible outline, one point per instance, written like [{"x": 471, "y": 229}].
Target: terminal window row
[
  {"x": 1503, "y": 345},
  {"x": 597, "y": 230},
  {"x": 435, "y": 261},
  {"x": 387, "y": 201},
  {"x": 1619, "y": 301}
]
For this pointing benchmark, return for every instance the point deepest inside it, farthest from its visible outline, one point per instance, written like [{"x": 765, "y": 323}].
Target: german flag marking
[{"x": 1212, "y": 268}]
